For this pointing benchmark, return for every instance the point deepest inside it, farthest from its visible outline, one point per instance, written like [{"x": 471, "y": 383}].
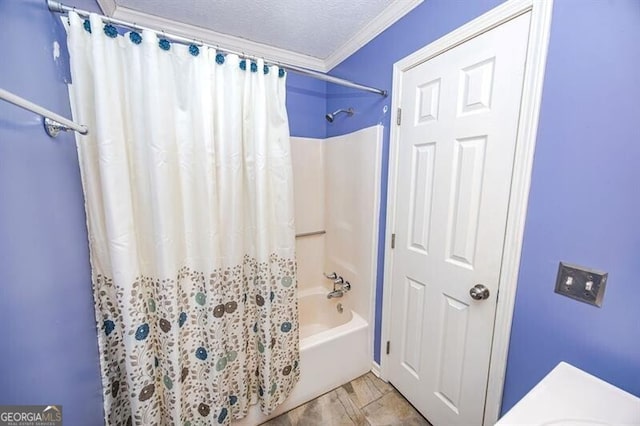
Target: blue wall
[
  {"x": 584, "y": 198},
  {"x": 49, "y": 352},
  {"x": 306, "y": 106},
  {"x": 584, "y": 201}
]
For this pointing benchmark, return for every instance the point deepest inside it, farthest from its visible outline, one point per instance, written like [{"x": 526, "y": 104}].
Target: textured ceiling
[{"x": 310, "y": 27}]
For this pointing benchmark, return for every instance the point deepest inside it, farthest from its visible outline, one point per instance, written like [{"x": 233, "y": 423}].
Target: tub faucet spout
[{"x": 335, "y": 293}]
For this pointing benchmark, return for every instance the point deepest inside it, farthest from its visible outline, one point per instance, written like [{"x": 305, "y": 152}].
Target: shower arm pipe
[
  {"x": 55, "y": 6},
  {"x": 53, "y": 121}
]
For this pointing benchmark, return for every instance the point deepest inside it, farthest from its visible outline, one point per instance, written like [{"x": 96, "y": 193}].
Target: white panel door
[{"x": 455, "y": 159}]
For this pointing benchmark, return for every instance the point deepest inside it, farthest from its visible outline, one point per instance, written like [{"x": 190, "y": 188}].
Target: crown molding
[
  {"x": 384, "y": 20},
  {"x": 108, "y": 7},
  {"x": 225, "y": 41}
]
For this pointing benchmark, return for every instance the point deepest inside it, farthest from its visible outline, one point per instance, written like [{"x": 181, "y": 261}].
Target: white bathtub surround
[
  {"x": 352, "y": 208},
  {"x": 308, "y": 186},
  {"x": 307, "y": 156},
  {"x": 310, "y": 258},
  {"x": 337, "y": 189},
  {"x": 336, "y": 184}
]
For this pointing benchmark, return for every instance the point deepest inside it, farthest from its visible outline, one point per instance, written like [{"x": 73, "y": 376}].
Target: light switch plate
[{"x": 580, "y": 283}]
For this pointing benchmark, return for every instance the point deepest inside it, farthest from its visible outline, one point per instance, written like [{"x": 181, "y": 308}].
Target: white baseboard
[{"x": 375, "y": 369}]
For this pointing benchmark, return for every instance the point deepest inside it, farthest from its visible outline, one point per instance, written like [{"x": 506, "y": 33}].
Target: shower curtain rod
[
  {"x": 53, "y": 123},
  {"x": 58, "y": 7}
]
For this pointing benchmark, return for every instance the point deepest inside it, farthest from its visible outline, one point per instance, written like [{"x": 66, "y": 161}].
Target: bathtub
[{"x": 334, "y": 349}]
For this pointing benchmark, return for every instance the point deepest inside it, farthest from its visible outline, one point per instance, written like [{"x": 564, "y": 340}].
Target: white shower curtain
[{"x": 188, "y": 185}]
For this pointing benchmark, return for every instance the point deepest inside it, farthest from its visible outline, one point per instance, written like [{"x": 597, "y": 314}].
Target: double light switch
[{"x": 583, "y": 284}]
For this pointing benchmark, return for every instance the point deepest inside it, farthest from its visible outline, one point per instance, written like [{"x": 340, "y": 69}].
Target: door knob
[{"x": 479, "y": 292}]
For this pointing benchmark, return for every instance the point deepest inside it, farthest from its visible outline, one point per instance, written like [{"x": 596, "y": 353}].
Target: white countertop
[{"x": 568, "y": 396}]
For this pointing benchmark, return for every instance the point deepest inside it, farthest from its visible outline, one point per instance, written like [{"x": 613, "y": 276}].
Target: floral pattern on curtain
[{"x": 189, "y": 199}]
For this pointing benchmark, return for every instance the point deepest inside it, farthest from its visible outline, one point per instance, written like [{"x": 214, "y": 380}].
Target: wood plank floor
[{"x": 365, "y": 401}]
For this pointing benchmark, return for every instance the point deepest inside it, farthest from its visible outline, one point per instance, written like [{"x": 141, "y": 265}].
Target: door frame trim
[{"x": 539, "y": 34}]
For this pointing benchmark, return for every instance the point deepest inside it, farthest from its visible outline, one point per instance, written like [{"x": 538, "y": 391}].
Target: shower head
[{"x": 330, "y": 117}]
